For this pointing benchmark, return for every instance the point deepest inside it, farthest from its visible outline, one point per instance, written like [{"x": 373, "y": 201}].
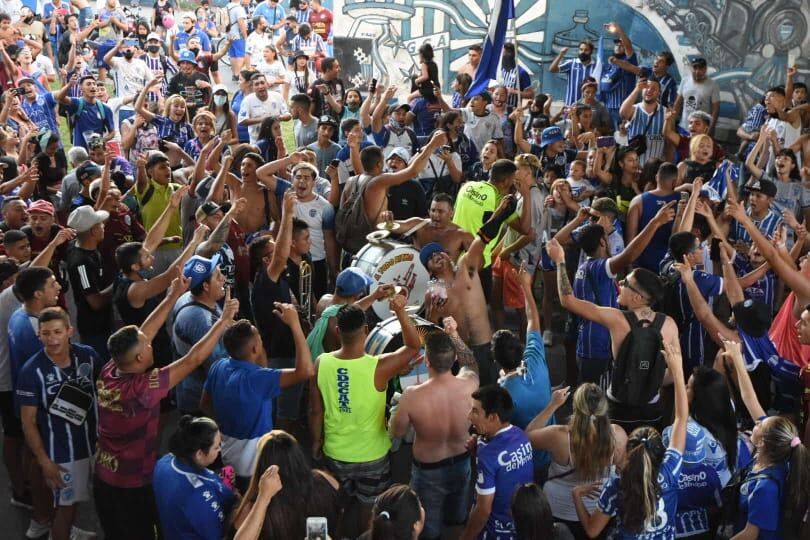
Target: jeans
[{"x": 444, "y": 492}]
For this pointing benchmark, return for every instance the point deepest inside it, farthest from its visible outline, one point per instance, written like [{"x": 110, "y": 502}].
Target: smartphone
[
  {"x": 791, "y": 59},
  {"x": 447, "y": 148},
  {"x": 334, "y": 163},
  {"x": 684, "y": 196},
  {"x": 608, "y": 27},
  {"x": 605, "y": 142},
  {"x": 373, "y": 87},
  {"x": 316, "y": 528},
  {"x": 162, "y": 145}
]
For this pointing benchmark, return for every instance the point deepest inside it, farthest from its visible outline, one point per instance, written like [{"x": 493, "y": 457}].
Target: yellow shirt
[{"x": 155, "y": 204}]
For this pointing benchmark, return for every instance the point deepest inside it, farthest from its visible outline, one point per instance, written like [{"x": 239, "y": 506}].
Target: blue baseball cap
[
  {"x": 186, "y": 56},
  {"x": 550, "y": 136},
  {"x": 199, "y": 269},
  {"x": 428, "y": 250},
  {"x": 352, "y": 281}
]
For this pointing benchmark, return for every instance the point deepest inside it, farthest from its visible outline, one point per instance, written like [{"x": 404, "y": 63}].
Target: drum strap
[{"x": 413, "y": 231}]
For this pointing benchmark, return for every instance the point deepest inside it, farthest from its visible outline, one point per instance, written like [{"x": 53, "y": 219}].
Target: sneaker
[
  {"x": 548, "y": 338},
  {"x": 80, "y": 534},
  {"x": 37, "y": 529},
  {"x": 22, "y": 501}
]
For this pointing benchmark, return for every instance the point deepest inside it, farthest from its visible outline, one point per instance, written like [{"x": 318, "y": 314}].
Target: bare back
[
  {"x": 452, "y": 238},
  {"x": 438, "y": 410}
]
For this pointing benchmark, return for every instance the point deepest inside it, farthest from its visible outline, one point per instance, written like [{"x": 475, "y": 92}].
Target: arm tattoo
[
  {"x": 464, "y": 355},
  {"x": 563, "y": 284},
  {"x": 218, "y": 237}
]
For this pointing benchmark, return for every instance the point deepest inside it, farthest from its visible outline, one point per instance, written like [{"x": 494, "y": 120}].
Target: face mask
[
  {"x": 153, "y": 48},
  {"x": 129, "y": 55},
  {"x": 394, "y": 124},
  {"x": 28, "y": 20},
  {"x": 584, "y": 57},
  {"x": 195, "y": 50},
  {"x": 220, "y": 100}
]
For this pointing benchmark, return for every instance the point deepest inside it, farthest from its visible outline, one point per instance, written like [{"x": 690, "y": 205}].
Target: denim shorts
[{"x": 444, "y": 491}]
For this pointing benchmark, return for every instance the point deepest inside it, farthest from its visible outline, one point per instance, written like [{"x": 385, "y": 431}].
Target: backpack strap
[
  {"x": 658, "y": 322},
  {"x": 631, "y": 318}
]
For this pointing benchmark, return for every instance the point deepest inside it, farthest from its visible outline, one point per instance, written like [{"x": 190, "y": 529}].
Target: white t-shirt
[
  {"x": 130, "y": 76},
  {"x": 254, "y": 46},
  {"x": 480, "y": 129},
  {"x": 437, "y": 168},
  {"x": 253, "y": 107},
  {"x": 697, "y": 97},
  {"x": 580, "y": 186},
  {"x": 786, "y": 134},
  {"x": 318, "y": 214},
  {"x": 45, "y": 65},
  {"x": 273, "y": 71}
]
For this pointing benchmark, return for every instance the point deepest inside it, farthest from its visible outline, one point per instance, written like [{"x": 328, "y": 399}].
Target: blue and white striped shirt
[
  {"x": 655, "y": 132},
  {"x": 507, "y": 77},
  {"x": 577, "y": 73},
  {"x": 594, "y": 278},
  {"x": 767, "y": 226},
  {"x": 623, "y": 83},
  {"x": 157, "y": 67},
  {"x": 303, "y": 16}
]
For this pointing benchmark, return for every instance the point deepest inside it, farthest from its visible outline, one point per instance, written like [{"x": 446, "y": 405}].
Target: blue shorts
[
  {"x": 444, "y": 490},
  {"x": 237, "y": 49}
]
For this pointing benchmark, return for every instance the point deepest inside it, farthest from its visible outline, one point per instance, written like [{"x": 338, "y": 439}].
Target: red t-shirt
[
  {"x": 128, "y": 417},
  {"x": 119, "y": 229},
  {"x": 321, "y": 23}
]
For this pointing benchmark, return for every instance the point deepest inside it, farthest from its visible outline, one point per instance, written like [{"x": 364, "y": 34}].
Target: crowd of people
[{"x": 189, "y": 318}]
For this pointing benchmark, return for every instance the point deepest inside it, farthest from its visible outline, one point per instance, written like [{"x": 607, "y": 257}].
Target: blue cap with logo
[
  {"x": 352, "y": 281},
  {"x": 550, "y": 136},
  {"x": 199, "y": 269},
  {"x": 428, "y": 250},
  {"x": 186, "y": 56}
]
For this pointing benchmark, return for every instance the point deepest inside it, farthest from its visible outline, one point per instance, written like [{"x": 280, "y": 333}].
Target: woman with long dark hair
[
  {"x": 582, "y": 451},
  {"x": 620, "y": 177},
  {"x": 305, "y": 492},
  {"x": 644, "y": 498},
  {"x": 198, "y": 508},
  {"x": 397, "y": 515},
  {"x": 532, "y": 517},
  {"x": 224, "y": 117},
  {"x": 269, "y": 133},
  {"x": 775, "y": 494}
]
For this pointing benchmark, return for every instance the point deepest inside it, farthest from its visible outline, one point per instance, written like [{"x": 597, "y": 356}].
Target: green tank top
[{"x": 354, "y": 411}]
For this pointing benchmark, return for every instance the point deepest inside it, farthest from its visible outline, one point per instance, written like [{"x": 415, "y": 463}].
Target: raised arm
[
  {"x": 282, "y": 250},
  {"x": 702, "y": 310},
  {"x": 555, "y": 64},
  {"x": 626, "y": 66},
  {"x": 219, "y": 235},
  {"x": 628, "y": 107},
  {"x": 46, "y": 255},
  {"x": 159, "y": 227},
  {"x": 155, "y": 321},
  {"x": 303, "y": 369},
  {"x": 674, "y": 360},
  {"x": 520, "y": 140},
  {"x": 751, "y": 160},
  {"x": 140, "y": 103},
  {"x": 390, "y": 364},
  {"x": 199, "y": 353},
  {"x": 416, "y": 166},
  {"x": 731, "y": 284},
  {"x": 733, "y": 351},
  {"x": 688, "y": 217},
  {"x": 670, "y": 132},
  {"x": 631, "y": 252}
]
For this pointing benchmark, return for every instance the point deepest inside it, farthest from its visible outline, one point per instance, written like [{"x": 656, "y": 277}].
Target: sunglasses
[{"x": 627, "y": 285}]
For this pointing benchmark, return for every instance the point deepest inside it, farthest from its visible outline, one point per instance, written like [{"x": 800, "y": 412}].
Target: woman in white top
[
  {"x": 274, "y": 71},
  {"x": 299, "y": 78},
  {"x": 582, "y": 451}
]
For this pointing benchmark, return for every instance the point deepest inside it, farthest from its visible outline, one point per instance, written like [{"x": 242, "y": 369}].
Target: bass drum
[
  {"x": 386, "y": 337},
  {"x": 389, "y": 261}
]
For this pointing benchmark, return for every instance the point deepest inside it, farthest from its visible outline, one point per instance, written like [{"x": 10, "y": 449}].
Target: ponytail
[
  {"x": 591, "y": 433},
  {"x": 638, "y": 486},
  {"x": 395, "y": 512},
  {"x": 781, "y": 444},
  {"x": 192, "y": 434}
]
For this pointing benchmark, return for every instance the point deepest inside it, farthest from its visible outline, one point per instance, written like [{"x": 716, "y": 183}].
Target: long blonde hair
[
  {"x": 167, "y": 107},
  {"x": 694, "y": 144},
  {"x": 592, "y": 441}
]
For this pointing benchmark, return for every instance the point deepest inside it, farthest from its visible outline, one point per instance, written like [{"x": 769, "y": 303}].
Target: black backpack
[
  {"x": 351, "y": 225},
  {"x": 639, "y": 370}
]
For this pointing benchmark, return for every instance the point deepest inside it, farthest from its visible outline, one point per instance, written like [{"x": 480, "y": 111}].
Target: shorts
[
  {"x": 126, "y": 513},
  {"x": 365, "y": 480},
  {"x": 288, "y": 403},
  {"x": 76, "y": 476},
  {"x": 237, "y": 49},
  {"x": 512, "y": 293},
  {"x": 12, "y": 427},
  {"x": 595, "y": 370},
  {"x": 444, "y": 490}
]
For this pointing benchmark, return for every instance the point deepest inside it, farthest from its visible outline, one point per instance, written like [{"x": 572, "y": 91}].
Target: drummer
[
  {"x": 460, "y": 294},
  {"x": 438, "y": 228}
]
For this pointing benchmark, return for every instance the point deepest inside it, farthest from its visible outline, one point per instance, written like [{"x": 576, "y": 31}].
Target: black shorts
[
  {"x": 126, "y": 513},
  {"x": 12, "y": 427}
]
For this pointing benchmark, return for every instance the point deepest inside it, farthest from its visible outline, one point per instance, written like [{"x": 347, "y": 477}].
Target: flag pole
[{"x": 517, "y": 59}]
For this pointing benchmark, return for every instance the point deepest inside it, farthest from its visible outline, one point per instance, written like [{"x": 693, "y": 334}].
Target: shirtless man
[
  {"x": 437, "y": 409},
  {"x": 464, "y": 296},
  {"x": 263, "y": 207},
  {"x": 376, "y": 182},
  {"x": 637, "y": 292},
  {"x": 438, "y": 228}
]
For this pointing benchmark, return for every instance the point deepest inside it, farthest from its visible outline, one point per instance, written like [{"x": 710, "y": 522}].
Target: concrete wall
[{"x": 747, "y": 42}]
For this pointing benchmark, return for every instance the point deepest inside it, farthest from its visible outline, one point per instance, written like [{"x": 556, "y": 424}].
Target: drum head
[
  {"x": 386, "y": 337},
  {"x": 401, "y": 266}
]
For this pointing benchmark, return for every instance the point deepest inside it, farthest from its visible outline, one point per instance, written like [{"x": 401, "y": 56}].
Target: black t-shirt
[
  {"x": 560, "y": 160},
  {"x": 277, "y": 337},
  {"x": 49, "y": 175},
  {"x": 161, "y": 345},
  {"x": 407, "y": 200},
  {"x": 336, "y": 87},
  {"x": 186, "y": 86},
  {"x": 87, "y": 276}
]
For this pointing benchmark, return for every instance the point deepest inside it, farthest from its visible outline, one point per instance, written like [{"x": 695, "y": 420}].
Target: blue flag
[
  {"x": 717, "y": 185},
  {"x": 493, "y": 47}
]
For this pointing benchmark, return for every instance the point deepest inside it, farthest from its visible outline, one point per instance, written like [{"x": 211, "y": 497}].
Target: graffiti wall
[{"x": 748, "y": 43}]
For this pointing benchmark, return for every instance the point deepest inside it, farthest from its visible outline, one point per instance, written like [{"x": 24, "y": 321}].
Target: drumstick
[{"x": 416, "y": 228}]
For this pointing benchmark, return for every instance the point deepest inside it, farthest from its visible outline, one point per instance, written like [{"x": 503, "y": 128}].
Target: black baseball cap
[{"x": 765, "y": 187}]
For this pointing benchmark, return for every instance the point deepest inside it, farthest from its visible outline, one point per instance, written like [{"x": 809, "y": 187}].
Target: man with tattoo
[
  {"x": 458, "y": 292},
  {"x": 637, "y": 292},
  {"x": 437, "y": 411}
]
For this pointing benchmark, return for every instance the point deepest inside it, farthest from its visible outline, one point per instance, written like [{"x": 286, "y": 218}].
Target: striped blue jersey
[
  {"x": 577, "y": 73},
  {"x": 763, "y": 289},
  {"x": 754, "y": 119},
  {"x": 767, "y": 226},
  {"x": 514, "y": 78},
  {"x": 692, "y": 333},
  {"x": 669, "y": 86},
  {"x": 654, "y": 133},
  {"x": 621, "y": 83},
  {"x": 594, "y": 283}
]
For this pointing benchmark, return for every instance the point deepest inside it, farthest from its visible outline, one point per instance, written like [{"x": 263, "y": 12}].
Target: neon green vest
[{"x": 354, "y": 411}]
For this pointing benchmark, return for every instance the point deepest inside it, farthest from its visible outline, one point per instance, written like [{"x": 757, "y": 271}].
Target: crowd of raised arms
[{"x": 214, "y": 332}]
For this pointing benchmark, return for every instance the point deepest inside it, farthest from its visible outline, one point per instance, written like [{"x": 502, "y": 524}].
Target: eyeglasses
[{"x": 626, "y": 284}]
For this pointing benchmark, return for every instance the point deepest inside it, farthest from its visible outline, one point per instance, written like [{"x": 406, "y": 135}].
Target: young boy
[{"x": 581, "y": 189}]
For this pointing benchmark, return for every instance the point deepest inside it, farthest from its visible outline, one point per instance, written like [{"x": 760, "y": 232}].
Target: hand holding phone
[{"x": 317, "y": 528}]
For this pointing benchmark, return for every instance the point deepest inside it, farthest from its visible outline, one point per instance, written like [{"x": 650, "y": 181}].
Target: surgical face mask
[
  {"x": 129, "y": 55},
  {"x": 394, "y": 124},
  {"x": 153, "y": 48},
  {"x": 220, "y": 100},
  {"x": 584, "y": 57}
]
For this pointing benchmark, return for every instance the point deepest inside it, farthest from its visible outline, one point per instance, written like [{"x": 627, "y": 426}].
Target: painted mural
[{"x": 748, "y": 42}]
